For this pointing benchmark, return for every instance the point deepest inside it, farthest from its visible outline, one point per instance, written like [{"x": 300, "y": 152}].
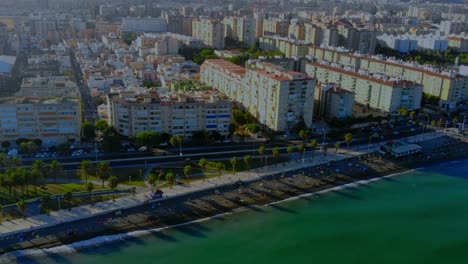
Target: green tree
[
  {"x": 89, "y": 131},
  {"x": 275, "y": 152},
  {"x": 261, "y": 151},
  {"x": 67, "y": 197},
  {"x": 455, "y": 121},
  {"x": 219, "y": 167},
  {"x": 45, "y": 205},
  {"x": 22, "y": 206},
  {"x": 149, "y": 138},
  {"x": 188, "y": 172},
  {"x": 152, "y": 178},
  {"x": 6, "y": 144},
  {"x": 348, "y": 138},
  {"x": 101, "y": 126},
  {"x": 248, "y": 161},
  {"x": 440, "y": 123},
  {"x": 83, "y": 171},
  {"x": 177, "y": 141},
  {"x": 313, "y": 145},
  {"x": 403, "y": 112},
  {"x": 89, "y": 186},
  {"x": 301, "y": 150},
  {"x": 412, "y": 115},
  {"x": 104, "y": 171},
  {"x": 55, "y": 168},
  {"x": 433, "y": 123},
  {"x": 113, "y": 182},
  {"x": 234, "y": 162},
  {"x": 170, "y": 177},
  {"x": 290, "y": 149},
  {"x": 202, "y": 163},
  {"x": 304, "y": 134}
]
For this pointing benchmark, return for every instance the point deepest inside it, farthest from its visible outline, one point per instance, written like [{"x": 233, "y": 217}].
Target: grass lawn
[
  {"x": 75, "y": 202},
  {"x": 211, "y": 171},
  {"x": 123, "y": 175}
]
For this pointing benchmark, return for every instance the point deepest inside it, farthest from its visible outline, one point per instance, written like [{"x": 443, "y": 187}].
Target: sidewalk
[{"x": 17, "y": 226}]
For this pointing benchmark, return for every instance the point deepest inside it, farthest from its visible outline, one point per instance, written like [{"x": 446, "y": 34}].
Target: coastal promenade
[{"x": 14, "y": 227}]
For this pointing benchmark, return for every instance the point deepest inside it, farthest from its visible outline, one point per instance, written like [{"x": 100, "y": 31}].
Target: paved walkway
[{"x": 40, "y": 221}]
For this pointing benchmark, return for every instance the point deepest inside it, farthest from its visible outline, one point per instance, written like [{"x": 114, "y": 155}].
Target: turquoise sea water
[{"x": 417, "y": 217}]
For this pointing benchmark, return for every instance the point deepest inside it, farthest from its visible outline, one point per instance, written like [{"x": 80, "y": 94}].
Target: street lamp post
[
  {"x": 463, "y": 124},
  {"x": 446, "y": 124},
  {"x": 427, "y": 123},
  {"x": 130, "y": 178},
  {"x": 324, "y": 133},
  {"x": 58, "y": 200},
  {"x": 140, "y": 173}
]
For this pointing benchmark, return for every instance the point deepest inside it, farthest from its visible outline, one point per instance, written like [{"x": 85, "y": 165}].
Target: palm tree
[
  {"x": 170, "y": 177},
  {"x": 313, "y": 145},
  {"x": 113, "y": 182},
  {"x": 188, "y": 172},
  {"x": 89, "y": 186},
  {"x": 36, "y": 176},
  {"x": 301, "y": 150},
  {"x": 455, "y": 121},
  {"x": 290, "y": 149},
  {"x": 68, "y": 196},
  {"x": 304, "y": 134},
  {"x": 348, "y": 138},
  {"x": 55, "y": 167},
  {"x": 220, "y": 167},
  {"x": 160, "y": 175},
  {"x": 248, "y": 161},
  {"x": 440, "y": 123},
  {"x": 412, "y": 115},
  {"x": 234, "y": 162},
  {"x": 46, "y": 198},
  {"x": 433, "y": 123},
  {"x": 275, "y": 152},
  {"x": 22, "y": 206},
  {"x": 83, "y": 170},
  {"x": 177, "y": 140},
  {"x": 261, "y": 151},
  {"x": 152, "y": 180},
  {"x": 104, "y": 171},
  {"x": 202, "y": 163}
]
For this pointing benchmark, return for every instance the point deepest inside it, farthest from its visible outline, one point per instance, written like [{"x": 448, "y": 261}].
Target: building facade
[{"x": 278, "y": 98}]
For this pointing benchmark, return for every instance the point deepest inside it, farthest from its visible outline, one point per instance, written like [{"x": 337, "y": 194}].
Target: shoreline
[
  {"x": 110, "y": 239},
  {"x": 182, "y": 218}
]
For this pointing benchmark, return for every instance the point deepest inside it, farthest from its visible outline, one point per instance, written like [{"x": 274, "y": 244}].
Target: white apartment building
[
  {"x": 278, "y": 98},
  {"x": 48, "y": 108},
  {"x": 209, "y": 31},
  {"x": 177, "y": 114},
  {"x": 377, "y": 91}
]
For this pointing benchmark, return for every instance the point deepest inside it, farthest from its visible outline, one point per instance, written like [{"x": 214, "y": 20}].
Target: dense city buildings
[{"x": 48, "y": 108}]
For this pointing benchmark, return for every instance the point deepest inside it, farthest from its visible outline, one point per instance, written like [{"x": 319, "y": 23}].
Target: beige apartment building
[
  {"x": 278, "y": 98},
  {"x": 177, "y": 114},
  {"x": 448, "y": 85},
  {"x": 377, "y": 91},
  {"x": 48, "y": 108},
  {"x": 209, "y": 31}
]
